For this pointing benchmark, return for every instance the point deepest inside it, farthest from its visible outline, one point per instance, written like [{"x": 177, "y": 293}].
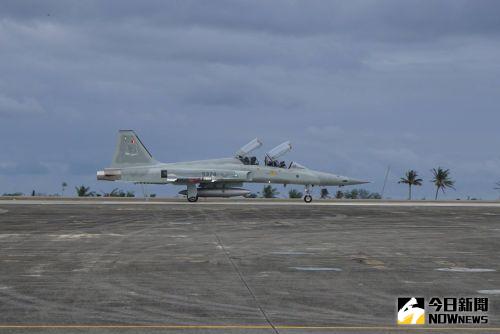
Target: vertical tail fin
[{"x": 130, "y": 151}]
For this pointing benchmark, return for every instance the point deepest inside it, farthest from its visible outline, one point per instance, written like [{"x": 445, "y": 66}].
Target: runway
[{"x": 237, "y": 266}]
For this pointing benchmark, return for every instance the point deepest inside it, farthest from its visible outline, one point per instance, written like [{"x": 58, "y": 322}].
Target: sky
[{"x": 356, "y": 86}]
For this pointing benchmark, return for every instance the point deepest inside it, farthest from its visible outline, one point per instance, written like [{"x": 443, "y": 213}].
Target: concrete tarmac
[{"x": 253, "y": 268}]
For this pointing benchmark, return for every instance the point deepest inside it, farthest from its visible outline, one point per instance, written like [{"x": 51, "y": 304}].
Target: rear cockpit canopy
[
  {"x": 243, "y": 154},
  {"x": 249, "y": 147}
]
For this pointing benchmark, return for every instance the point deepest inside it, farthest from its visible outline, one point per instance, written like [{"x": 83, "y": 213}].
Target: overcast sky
[{"x": 355, "y": 85}]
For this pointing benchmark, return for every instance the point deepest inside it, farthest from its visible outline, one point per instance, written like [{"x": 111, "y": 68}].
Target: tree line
[{"x": 269, "y": 191}]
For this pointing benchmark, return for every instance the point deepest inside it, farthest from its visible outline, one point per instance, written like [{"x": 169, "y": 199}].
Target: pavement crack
[{"x": 242, "y": 278}]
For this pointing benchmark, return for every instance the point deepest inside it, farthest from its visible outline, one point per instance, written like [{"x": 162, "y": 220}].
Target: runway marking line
[{"x": 256, "y": 327}]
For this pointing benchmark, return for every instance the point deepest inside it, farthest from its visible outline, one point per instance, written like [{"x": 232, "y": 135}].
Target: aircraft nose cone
[
  {"x": 357, "y": 181},
  {"x": 347, "y": 181},
  {"x": 339, "y": 180}
]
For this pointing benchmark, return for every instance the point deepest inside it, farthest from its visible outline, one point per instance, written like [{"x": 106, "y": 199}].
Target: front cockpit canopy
[
  {"x": 279, "y": 150},
  {"x": 272, "y": 156}
]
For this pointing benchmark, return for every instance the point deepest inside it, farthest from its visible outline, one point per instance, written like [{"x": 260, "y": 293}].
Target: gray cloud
[
  {"x": 13, "y": 107},
  {"x": 32, "y": 168},
  {"x": 387, "y": 20}
]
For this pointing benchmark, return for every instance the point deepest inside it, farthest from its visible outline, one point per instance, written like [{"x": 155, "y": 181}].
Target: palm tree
[
  {"x": 63, "y": 187},
  {"x": 442, "y": 180},
  {"x": 411, "y": 179},
  {"x": 269, "y": 192},
  {"x": 294, "y": 193},
  {"x": 324, "y": 193},
  {"x": 83, "y": 191}
]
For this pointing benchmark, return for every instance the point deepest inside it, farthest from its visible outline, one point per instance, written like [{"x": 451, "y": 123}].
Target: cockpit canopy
[
  {"x": 243, "y": 154},
  {"x": 248, "y": 148},
  {"x": 279, "y": 150},
  {"x": 272, "y": 156}
]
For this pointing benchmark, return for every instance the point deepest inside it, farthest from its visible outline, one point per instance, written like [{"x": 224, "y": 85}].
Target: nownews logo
[
  {"x": 411, "y": 311},
  {"x": 442, "y": 311}
]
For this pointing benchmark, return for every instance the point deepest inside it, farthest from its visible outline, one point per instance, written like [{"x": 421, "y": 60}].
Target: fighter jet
[{"x": 223, "y": 177}]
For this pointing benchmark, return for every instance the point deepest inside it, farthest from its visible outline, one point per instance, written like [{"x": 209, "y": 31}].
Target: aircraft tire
[
  {"x": 308, "y": 198},
  {"x": 192, "y": 199}
]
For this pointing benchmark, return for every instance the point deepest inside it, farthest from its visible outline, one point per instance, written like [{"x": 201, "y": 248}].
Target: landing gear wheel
[
  {"x": 308, "y": 198},
  {"x": 192, "y": 199}
]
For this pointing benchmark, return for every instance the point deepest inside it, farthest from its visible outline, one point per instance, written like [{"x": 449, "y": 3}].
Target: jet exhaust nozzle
[{"x": 109, "y": 175}]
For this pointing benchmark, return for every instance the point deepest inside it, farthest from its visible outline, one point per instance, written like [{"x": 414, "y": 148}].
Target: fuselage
[{"x": 228, "y": 170}]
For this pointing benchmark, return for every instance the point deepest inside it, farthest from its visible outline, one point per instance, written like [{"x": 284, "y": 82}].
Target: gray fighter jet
[{"x": 223, "y": 177}]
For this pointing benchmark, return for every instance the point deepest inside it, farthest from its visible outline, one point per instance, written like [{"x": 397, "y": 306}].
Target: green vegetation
[
  {"x": 119, "y": 193},
  {"x": 83, "y": 191},
  {"x": 13, "y": 194},
  {"x": 442, "y": 180},
  {"x": 294, "y": 193},
  {"x": 411, "y": 179},
  {"x": 269, "y": 192},
  {"x": 357, "y": 194},
  {"x": 324, "y": 193}
]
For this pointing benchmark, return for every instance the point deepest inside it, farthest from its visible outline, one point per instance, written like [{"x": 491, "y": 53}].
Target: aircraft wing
[{"x": 210, "y": 177}]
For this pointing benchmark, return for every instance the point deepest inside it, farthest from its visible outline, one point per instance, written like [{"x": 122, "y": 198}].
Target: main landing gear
[
  {"x": 308, "y": 198},
  {"x": 192, "y": 192}
]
